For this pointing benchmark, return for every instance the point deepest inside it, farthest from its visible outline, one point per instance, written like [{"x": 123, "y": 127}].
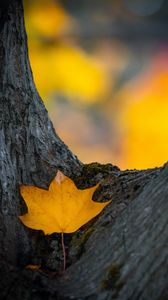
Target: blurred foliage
[
  {"x": 46, "y": 19},
  {"x": 67, "y": 69},
  {"x": 102, "y": 71},
  {"x": 59, "y": 65},
  {"x": 145, "y": 116}
]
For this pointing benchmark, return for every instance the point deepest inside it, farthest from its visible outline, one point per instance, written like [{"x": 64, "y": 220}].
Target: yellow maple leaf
[{"x": 63, "y": 208}]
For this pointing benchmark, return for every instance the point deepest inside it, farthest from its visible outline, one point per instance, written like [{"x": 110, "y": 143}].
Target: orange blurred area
[
  {"x": 102, "y": 71},
  {"x": 144, "y": 117}
]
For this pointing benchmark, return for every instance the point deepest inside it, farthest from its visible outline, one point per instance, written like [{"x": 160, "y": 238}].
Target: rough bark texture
[
  {"x": 121, "y": 254},
  {"x": 30, "y": 151}
]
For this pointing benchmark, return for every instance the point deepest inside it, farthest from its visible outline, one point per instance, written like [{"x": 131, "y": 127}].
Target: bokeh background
[{"x": 101, "y": 68}]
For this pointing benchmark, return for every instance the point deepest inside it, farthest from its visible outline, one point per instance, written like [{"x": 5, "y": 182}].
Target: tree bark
[
  {"x": 121, "y": 254},
  {"x": 30, "y": 150}
]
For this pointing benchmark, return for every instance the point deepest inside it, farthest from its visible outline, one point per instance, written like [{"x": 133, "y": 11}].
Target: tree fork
[{"x": 122, "y": 254}]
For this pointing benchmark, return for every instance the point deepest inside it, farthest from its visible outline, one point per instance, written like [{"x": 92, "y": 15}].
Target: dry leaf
[
  {"x": 33, "y": 267},
  {"x": 63, "y": 208}
]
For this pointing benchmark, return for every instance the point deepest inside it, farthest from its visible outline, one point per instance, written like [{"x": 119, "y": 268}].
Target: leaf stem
[{"x": 63, "y": 250}]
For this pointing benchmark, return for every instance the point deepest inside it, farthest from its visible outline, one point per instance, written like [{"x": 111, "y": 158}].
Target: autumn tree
[{"x": 122, "y": 254}]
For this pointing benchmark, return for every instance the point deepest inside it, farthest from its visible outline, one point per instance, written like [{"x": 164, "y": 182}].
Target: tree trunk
[
  {"x": 30, "y": 151},
  {"x": 122, "y": 254}
]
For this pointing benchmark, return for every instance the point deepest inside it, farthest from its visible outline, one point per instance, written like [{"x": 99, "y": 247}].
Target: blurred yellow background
[{"x": 101, "y": 68}]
